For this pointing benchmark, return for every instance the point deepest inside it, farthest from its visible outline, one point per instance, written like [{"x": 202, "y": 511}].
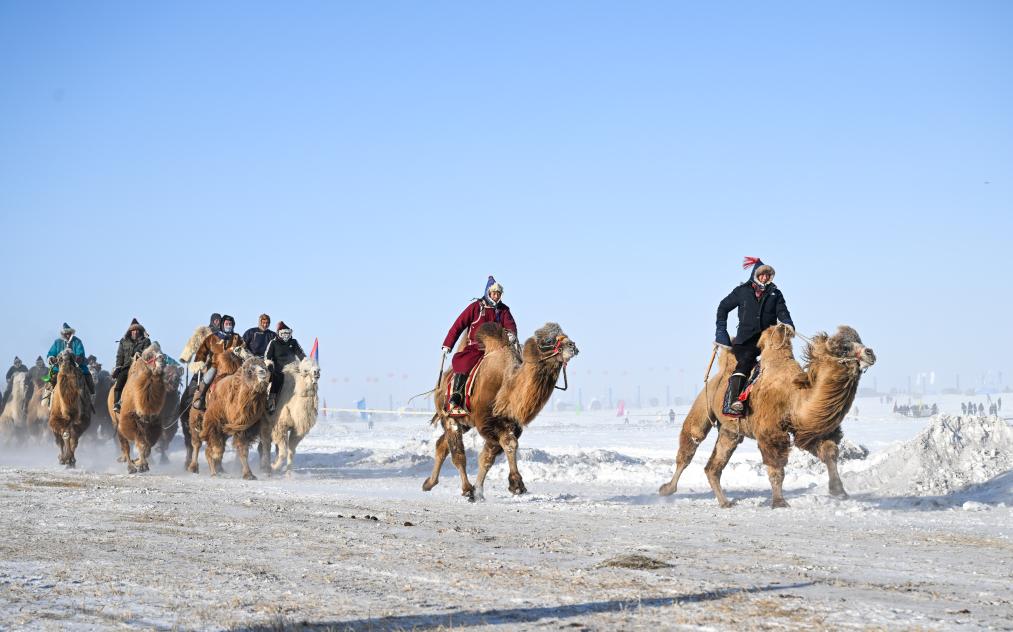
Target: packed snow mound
[{"x": 947, "y": 456}]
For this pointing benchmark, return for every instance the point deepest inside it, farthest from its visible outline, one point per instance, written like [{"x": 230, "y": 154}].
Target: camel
[
  {"x": 14, "y": 419},
  {"x": 172, "y": 375},
  {"x": 509, "y": 391},
  {"x": 38, "y": 411},
  {"x": 102, "y": 416},
  {"x": 190, "y": 419},
  {"x": 787, "y": 402},
  {"x": 236, "y": 407},
  {"x": 139, "y": 419},
  {"x": 70, "y": 408},
  {"x": 294, "y": 416}
]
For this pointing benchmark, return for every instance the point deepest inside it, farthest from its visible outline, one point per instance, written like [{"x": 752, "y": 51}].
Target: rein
[{"x": 556, "y": 350}]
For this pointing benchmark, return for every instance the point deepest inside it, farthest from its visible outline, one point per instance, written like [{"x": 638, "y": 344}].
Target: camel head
[
  {"x": 309, "y": 376},
  {"x": 553, "y": 343},
  {"x": 845, "y": 347},
  {"x": 254, "y": 374},
  {"x": 776, "y": 340},
  {"x": 67, "y": 361},
  {"x": 172, "y": 375},
  {"x": 151, "y": 359}
]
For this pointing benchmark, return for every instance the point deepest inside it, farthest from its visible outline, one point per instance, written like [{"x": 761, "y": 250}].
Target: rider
[
  {"x": 281, "y": 351},
  {"x": 134, "y": 341},
  {"x": 36, "y": 373},
  {"x": 760, "y": 305},
  {"x": 68, "y": 339},
  {"x": 187, "y": 357},
  {"x": 257, "y": 338},
  {"x": 209, "y": 352},
  {"x": 17, "y": 367},
  {"x": 482, "y": 310}
]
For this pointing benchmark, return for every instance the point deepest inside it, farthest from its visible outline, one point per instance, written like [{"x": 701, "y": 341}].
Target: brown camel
[
  {"x": 191, "y": 420},
  {"x": 172, "y": 375},
  {"x": 236, "y": 408},
  {"x": 509, "y": 392},
  {"x": 139, "y": 419},
  {"x": 786, "y": 402},
  {"x": 70, "y": 410}
]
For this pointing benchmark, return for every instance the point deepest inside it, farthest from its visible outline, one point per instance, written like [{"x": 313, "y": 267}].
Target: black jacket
[
  {"x": 127, "y": 349},
  {"x": 257, "y": 340},
  {"x": 282, "y": 353},
  {"x": 16, "y": 369},
  {"x": 754, "y": 315}
]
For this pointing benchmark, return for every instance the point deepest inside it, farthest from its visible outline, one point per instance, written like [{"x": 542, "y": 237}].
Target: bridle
[{"x": 551, "y": 350}]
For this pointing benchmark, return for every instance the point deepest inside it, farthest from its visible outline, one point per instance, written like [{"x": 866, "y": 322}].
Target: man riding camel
[
  {"x": 760, "y": 305},
  {"x": 257, "y": 338},
  {"x": 68, "y": 339},
  {"x": 17, "y": 367},
  {"x": 210, "y": 351},
  {"x": 281, "y": 351},
  {"x": 487, "y": 309},
  {"x": 134, "y": 341}
]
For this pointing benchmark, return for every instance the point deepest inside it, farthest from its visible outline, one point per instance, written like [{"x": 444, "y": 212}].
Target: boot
[
  {"x": 198, "y": 401},
  {"x": 272, "y": 402},
  {"x": 732, "y": 405},
  {"x": 89, "y": 382},
  {"x": 117, "y": 393},
  {"x": 456, "y": 405}
]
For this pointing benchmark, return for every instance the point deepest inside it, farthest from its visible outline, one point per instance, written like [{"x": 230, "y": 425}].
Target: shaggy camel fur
[
  {"x": 236, "y": 407},
  {"x": 173, "y": 376},
  {"x": 70, "y": 410},
  {"x": 786, "y": 402},
  {"x": 190, "y": 419},
  {"x": 294, "y": 416},
  {"x": 14, "y": 419},
  {"x": 38, "y": 412},
  {"x": 508, "y": 393},
  {"x": 139, "y": 419}
]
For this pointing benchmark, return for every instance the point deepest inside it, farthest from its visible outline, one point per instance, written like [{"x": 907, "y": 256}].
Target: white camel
[
  {"x": 295, "y": 413},
  {"x": 14, "y": 420}
]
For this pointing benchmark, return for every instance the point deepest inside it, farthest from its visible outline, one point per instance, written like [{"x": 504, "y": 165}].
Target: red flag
[{"x": 315, "y": 352}]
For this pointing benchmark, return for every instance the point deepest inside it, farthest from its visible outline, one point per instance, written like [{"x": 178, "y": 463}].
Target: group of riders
[
  {"x": 277, "y": 348},
  {"x": 759, "y": 302}
]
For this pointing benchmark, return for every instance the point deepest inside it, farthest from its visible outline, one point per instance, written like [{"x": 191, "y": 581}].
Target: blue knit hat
[{"x": 491, "y": 285}]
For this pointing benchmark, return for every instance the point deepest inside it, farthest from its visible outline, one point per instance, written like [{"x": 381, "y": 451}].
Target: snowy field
[{"x": 350, "y": 542}]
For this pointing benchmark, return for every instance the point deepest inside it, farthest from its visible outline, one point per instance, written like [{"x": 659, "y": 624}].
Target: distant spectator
[{"x": 963, "y": 408}]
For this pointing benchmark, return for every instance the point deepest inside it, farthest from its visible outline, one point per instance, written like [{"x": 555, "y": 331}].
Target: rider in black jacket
[{"x": 760, "y": 305}]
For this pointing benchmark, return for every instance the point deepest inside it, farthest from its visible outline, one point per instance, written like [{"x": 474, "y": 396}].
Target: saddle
[
  {"x": 743, "y": 396},
  {"x": 469, "y": 386}
]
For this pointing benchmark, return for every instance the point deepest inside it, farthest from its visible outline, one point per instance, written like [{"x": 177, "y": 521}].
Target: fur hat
[
  {"x": 39, "y": 359},
  {"x": 282, "y": 325},
  {"x": 759, "y": 267},
  {"x": 227, "y": 317},
  {"x": 16, "y": 359},
  {"x": 67, "y": 329},
  {"x": 492, "y": 286},
  {"x": 135, "y": 326},
  {"x": 214, "y": 317}
]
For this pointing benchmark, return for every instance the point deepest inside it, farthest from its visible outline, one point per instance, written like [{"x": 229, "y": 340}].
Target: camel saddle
[{"x": 469, "y": 386}]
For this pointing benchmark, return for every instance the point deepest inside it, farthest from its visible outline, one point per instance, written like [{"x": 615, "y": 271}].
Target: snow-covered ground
[{"x": 351, "y": 542}]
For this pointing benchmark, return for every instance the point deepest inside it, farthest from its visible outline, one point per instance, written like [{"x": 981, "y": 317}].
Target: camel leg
[
  {"x": 775, "y": 457},
  {"x": 457, "y": 455},
  {"x": 508, "y": 441},
  {"x": 293, "y": 441},
  {"x": 490, "y": 451},
  {"x": 212, "y": 452},
  {"x": 264, "y": 447},
  {"x": 827, "y": 452},
  {"x": 70, "y": 441},
  {"x": 184, "y": 425},
  {"x": 242, "y": 446},
  {"x": 143, "y": 450},
  {"x": 193, "y": 453},
  {"x": 125, "y": 454},
  {"x": 723, "y": 450},
  {"x": 58, "y": 434},
  {"x": 441, "y": 455},
  {"x": 694, "y": 430},
  {"x": 282, "y": 451}
]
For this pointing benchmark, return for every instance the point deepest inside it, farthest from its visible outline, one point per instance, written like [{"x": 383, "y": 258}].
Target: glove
[
  {"x": 512, "y": 337},
  {"x": 52, "y": 360},
  {"x": 269, "y": 363},
  {"x": 116, "y": 371},
  {"x": 446, "y": 350},
  {"x": 721, "y": 338}
]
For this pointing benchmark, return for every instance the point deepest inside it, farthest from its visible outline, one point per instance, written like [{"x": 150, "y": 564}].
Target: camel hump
[{"x": 491, "y": 336}]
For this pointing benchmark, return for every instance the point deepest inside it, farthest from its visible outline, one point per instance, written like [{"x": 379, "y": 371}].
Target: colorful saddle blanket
[{"x": 469, "y": 386}]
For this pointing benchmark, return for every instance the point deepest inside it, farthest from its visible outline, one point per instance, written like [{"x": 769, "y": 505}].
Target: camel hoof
[
  {"x": 143, "y": 467},
  {"x": 71, "y": 465},
  {"x": 839, "y": 494},
  {"x": 192, "y": 469},
  {"x": 426, "y": 485},
  {"x": 131, "y": 468},
  {"x": 469, "y": 494},
  {"x": 666, "y": 490},
  {"x": 249, "y": 477},
  {"x": 780, "y": 503},
  {"x": 122, "y": 459},
  {"x": 728, "y": 504}
]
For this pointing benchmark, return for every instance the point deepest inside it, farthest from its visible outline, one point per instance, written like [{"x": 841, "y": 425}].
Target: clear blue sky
[{"x": 358, "y": 169}]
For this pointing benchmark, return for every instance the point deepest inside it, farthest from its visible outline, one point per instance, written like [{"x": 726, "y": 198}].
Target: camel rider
[
  {"x": 133, "y": 342},
  {"x": 36, "y": 373},
  {"x": 214, "y": 346},
  {"x": 186, "y": 358},
  {"x": 66, "y": 340},
  {"x": 257, "y": 338},
  {"x": 16, "y": 368},
  {"x": 487, "y": 309},
  {"x": 760, "y": 305},
  {"x": 281, "y": 352}
]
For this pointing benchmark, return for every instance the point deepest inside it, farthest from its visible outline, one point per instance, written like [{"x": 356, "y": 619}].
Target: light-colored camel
[
  {"x": 787, "y": 402},
  {"x": 140, "y": 407},
  {"x": 508, "y": 393},
  {"x": 37, "y": 422},
  {"x": 14, "y": 419},
  {"x": 294, "y": 416},
  {"x": 70, "y": 408},
  {"x": 235, "y": 408}
]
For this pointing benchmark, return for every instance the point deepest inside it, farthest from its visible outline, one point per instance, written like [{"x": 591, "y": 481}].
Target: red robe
[{"x": 473, "y": 316}]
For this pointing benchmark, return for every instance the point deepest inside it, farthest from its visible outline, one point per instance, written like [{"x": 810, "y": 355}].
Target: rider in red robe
[{"x": 487, "y": 309}]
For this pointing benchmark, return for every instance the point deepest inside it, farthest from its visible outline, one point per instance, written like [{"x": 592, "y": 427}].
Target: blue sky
[{"x": 358, "y": 169}]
